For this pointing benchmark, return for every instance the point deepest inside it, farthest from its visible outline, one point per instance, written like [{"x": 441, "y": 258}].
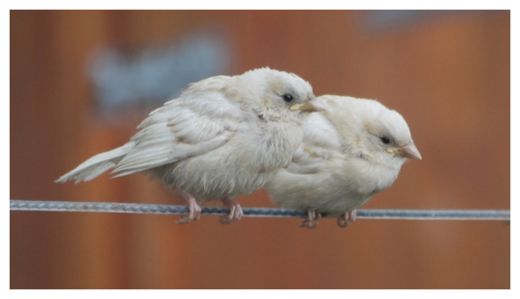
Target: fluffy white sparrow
[
  {"x": 223, "y": 136},
  {"x": 352, "y": 149}
]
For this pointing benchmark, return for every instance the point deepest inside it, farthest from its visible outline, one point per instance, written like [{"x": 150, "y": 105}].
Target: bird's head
[
  {"x": 369, "y": 128},
  {"x": 278, "y": 91},
  {"x": 389, "y": 134}
]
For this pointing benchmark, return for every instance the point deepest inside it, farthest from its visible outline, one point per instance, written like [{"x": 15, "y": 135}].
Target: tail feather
[{"x": 96, "y": 165}]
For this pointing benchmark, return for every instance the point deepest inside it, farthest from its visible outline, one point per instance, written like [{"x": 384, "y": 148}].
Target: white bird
[
  {"x": 223, "y": 136},
  {"x": 352, "y": 149}
]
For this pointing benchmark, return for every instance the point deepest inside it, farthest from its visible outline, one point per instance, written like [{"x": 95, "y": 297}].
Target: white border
[
  {"x": 4, "y": 147},
  {"x": 227, "y": 4},
  {"x": 265, "y": 4}
]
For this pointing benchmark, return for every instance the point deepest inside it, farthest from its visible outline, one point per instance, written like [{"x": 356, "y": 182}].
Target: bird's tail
[{"x": 96, "y": 165}]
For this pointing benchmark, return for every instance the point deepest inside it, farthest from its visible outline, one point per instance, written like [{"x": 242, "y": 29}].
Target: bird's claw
[
  {"x": 346, "y": 219},
  {"x": 312, "y": 219},
  {"x": 194, "y": 212},
  {"x": 235, "y": 211}
]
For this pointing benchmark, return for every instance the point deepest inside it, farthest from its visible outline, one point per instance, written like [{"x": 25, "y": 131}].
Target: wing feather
[
  {"x": 193, "y": 124},
  {"x": 321, "y": 142}
]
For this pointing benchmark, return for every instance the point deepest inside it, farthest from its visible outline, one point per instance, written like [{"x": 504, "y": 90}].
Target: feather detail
[{"x": 96, "y": 165}]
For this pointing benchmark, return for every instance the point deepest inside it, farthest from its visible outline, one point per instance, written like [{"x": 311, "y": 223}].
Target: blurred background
[{"x": 81, "y": 81}]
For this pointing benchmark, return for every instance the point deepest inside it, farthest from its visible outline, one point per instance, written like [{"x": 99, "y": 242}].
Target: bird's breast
[{"x": 273, "y": 145}]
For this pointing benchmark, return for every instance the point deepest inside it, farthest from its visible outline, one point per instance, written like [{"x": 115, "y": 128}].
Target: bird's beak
[
  {"x": 410, "y": 151},
  {"x": 304, "y": 107}
]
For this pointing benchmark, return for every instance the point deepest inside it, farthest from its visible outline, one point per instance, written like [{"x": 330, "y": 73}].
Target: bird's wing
[
  {"x": 321, "y": 143},
  {"x": 193, "y": 124}
]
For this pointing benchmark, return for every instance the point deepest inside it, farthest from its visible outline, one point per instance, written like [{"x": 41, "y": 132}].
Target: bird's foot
[
  {"x": 235, "y": 211},
  {"x": 312, "y": 219},
  {"x": 346, "y": 219},
  {"x": 194, "y": 211}
]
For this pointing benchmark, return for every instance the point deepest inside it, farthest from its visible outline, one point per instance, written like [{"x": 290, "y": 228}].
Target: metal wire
[{"x": 164, "y": 209}]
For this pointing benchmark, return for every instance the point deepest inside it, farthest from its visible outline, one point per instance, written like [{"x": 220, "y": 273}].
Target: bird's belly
[
  {"x": 330, "y": 205},
  {"x": 339, "y": 206},
  {"x": 321, "y": 191},
  {"x": 225, "y": 171}
]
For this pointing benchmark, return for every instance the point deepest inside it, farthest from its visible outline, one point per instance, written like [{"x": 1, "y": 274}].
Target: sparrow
[
  {"x": 352, "y": 149},
  {"x": 222, "y": 137}
]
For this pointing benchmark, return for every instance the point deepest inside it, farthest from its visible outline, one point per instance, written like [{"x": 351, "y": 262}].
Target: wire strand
[{"x": 167, "y": 209}]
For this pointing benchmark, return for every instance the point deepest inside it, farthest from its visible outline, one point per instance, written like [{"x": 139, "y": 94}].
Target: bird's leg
[
  {"x": 347, "y": 218},
  {"x": 193, "y": 207},
  {"x": 312, "y": 219},
  {"x": 235, "y": 211}
]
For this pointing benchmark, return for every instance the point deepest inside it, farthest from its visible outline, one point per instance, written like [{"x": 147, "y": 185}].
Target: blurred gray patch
[
  {"x": 153, "y": 76},
  {"x": 392, "y": 20}
]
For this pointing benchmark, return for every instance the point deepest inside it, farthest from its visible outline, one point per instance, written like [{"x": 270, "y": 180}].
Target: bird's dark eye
[
  {"x": 288, "y": 97},
  {"x": 385, "y": 139}
]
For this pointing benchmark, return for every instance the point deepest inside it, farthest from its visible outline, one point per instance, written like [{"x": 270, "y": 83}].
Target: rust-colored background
[{"x": 448, "y": 74}]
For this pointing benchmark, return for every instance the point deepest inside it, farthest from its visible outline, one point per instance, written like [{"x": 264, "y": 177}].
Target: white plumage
[
  {"x": 223, "y": 136},
  {"x": 352, "y": 149}
]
